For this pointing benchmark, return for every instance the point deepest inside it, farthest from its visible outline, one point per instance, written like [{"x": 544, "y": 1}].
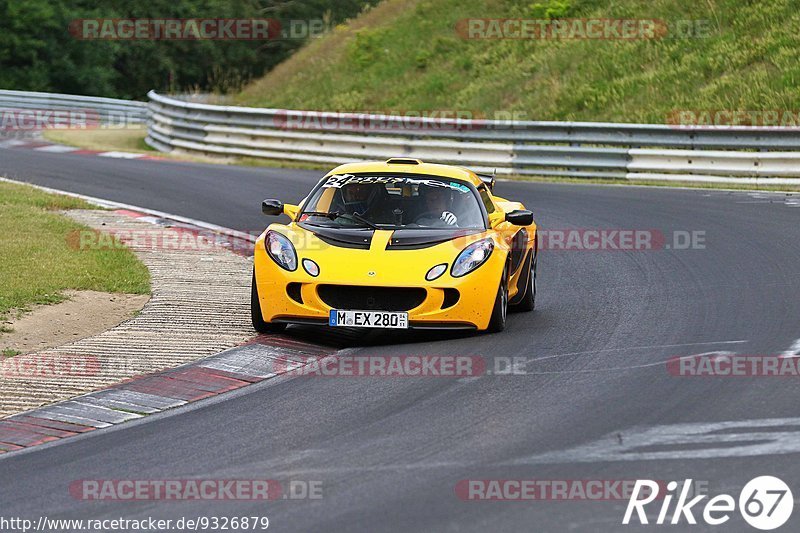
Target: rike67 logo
[{"x": 765, "y": 503}]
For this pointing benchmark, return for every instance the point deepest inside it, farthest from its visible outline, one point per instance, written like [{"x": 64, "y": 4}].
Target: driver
[
  {"x": 357, "y": 197},
  {"x": 364, "y": 199},
  {"x": 438, "y": 203}
]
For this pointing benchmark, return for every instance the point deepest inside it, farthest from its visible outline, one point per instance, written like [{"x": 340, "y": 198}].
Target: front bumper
[{"x": 297, "y": 297}]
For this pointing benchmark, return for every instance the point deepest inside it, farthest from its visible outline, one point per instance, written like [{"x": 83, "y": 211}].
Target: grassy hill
[{"x": 406, "y": 55}]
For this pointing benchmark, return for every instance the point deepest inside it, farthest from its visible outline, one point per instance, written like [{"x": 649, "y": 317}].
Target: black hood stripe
[
  {"x": 419, "y": 238},
  {"x": 359, "y": 239}
]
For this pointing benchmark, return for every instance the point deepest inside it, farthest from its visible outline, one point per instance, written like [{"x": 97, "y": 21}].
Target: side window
[{"x": 487, "y": 200}]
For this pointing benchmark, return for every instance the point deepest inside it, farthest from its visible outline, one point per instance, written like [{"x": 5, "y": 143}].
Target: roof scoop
[{"x": 403, "y": 161}]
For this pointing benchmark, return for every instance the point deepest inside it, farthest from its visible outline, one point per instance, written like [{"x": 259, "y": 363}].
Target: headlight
[
  {"x": 435, "y": 272},
  {"x": 281, "y": 250},
  {"x": 472, "y": 257}
]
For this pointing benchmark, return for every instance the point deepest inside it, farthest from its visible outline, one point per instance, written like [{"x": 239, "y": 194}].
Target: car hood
[{"x": 402, "y": 239}]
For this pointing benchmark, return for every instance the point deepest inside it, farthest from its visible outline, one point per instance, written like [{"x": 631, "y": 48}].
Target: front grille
[{"x": 371, "y": 298}]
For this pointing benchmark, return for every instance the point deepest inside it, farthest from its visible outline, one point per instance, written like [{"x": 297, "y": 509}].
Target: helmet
[
  {"x": 357, "y": 197},
  {"x": 429, "y": 193}
]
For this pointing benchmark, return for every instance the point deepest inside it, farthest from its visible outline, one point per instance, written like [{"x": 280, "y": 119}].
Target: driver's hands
[{"x": 449, "y": 218}]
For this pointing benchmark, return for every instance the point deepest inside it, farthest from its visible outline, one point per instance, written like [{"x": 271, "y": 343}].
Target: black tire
[
  {"x": 528, "y": 301},
  {"x": 259, "y": 324},
  {"x": 498, "y": 321}
]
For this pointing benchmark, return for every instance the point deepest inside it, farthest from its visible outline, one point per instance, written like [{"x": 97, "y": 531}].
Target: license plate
[{"x": 368, "y": 319}]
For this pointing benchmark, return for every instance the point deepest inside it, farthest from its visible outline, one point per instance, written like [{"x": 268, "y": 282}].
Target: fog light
[
  {"x": 436, "y": 271},
  {"x": 311, "y": 267}
]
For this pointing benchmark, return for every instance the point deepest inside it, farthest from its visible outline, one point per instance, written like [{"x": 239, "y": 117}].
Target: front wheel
[
  {"x": 498, "y": 321},
  {"x": 259, "y": 323}
]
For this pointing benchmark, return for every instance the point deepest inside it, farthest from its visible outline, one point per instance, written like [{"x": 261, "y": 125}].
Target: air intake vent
[
  {"x": 403, "y": 161},
  {"x": 451, "y": 297},
  {"x": 294, "y": 290}
]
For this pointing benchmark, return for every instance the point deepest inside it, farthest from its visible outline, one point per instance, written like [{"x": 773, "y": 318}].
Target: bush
[
  {"x": 554, "y": 9},
  {"x": 365, "y": 48}
]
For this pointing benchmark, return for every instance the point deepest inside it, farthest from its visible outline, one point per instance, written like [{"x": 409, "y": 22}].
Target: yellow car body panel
[{"x": 393, "y": 268}]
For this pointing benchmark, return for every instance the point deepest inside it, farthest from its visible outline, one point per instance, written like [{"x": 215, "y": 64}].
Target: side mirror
[
  {"x": 272, "y": 208},
  {"x": 520, "y": 217}
]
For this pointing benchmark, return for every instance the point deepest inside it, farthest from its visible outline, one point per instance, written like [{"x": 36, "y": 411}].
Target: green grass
[
  {"x": 10, "y": 352},
  {"x": 37, "y": 263},
  {"x": 103, "y": 139},
  {"x": 406, "y": 55}
]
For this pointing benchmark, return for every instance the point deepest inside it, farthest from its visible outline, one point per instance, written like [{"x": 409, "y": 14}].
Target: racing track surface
[{"x": 390, "y": 451}]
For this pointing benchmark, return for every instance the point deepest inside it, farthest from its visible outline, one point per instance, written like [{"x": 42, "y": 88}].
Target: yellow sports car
[{"x": 396, "y": 244}]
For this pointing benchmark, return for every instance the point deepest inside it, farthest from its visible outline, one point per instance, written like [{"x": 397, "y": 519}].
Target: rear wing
[{"x": 487, "y": 179}]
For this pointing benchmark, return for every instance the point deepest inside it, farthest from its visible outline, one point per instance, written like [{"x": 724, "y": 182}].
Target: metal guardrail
[
  {"x": 110, "y": 111},
  {"x": 767, "y": 155},
  {"x": 570, "y": 149}
]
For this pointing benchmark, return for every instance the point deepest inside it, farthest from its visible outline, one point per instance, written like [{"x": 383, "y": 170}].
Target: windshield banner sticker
[{"x": 339, "y": 180}]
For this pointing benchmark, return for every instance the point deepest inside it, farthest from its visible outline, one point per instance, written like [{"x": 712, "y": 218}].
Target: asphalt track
[{"x": 390, "y": 451}]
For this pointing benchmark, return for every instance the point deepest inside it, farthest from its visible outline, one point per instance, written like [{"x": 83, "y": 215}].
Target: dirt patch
[{"x": 86, "y": 313}]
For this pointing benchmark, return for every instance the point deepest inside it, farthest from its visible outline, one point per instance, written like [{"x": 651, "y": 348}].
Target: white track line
[
  {"x": 121, "y": 155},
  {"x": 57, "y": 148},
  {"x": 648, "y": 347},
  {"x": 13, "y": 142},
  {"x": 794, "y": 351},
  {"x": 632, "y": 367}
]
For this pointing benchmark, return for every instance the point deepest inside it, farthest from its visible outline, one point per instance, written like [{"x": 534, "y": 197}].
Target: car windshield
[{"x": 398, "y": 201}]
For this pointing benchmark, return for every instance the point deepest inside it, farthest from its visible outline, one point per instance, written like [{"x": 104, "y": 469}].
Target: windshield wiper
[
  {"x": 359, "y": 218},
  {"x": 331, "y": 215}
]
